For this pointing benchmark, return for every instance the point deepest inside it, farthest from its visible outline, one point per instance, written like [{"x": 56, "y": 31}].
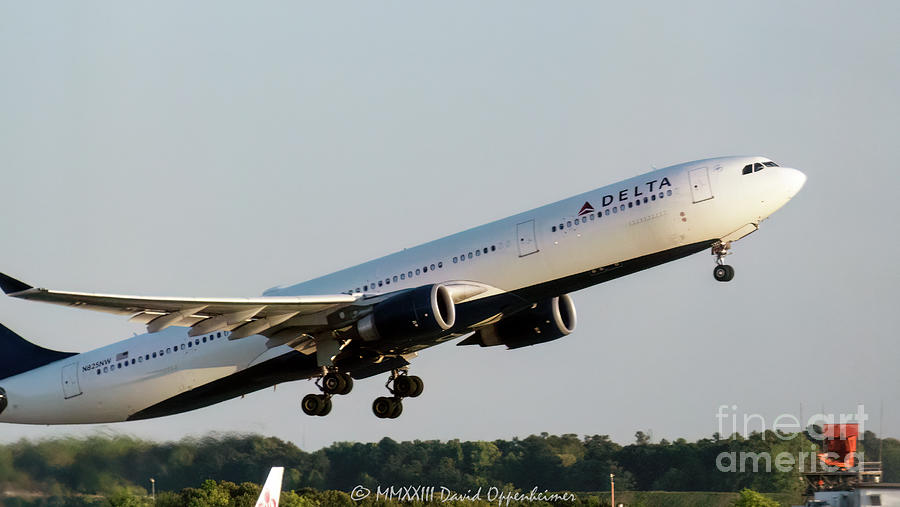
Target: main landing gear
[
  {"x": 722, "y": 272},
  {"x": 404, "y": 386},
  {"x": 330, "y": 384}
]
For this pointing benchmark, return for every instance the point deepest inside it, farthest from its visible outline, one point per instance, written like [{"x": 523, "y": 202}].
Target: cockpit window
[{"x": 758, "y": 166}]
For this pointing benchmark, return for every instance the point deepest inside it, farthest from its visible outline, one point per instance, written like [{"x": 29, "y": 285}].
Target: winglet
[{"x": 10, "y": 285}]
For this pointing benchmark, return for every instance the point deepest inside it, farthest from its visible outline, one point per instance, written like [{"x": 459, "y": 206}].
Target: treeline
[{"x": 102, "y": 465}]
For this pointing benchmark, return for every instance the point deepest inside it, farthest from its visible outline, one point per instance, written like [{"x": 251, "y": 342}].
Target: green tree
[
  {"x": 750, "y": 498},
  {"x": 641, "y": 438}
]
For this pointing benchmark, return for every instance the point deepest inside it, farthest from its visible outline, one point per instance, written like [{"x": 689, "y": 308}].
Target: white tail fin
[{"x": 271, "y": 491}]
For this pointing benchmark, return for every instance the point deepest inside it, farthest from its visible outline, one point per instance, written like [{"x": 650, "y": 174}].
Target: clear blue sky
[{"x": 220, "y": 148}]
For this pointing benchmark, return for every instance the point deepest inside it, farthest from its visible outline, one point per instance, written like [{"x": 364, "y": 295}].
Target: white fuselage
[{"x": 655, "y": 212}]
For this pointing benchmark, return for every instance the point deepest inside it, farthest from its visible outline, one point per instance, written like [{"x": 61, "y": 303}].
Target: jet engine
[
  {"x": 545, "y": 321},
  {"x": 409, "y": 315},
  {"x": 3, "y": 401}
]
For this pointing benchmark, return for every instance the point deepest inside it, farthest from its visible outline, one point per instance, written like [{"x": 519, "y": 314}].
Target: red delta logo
[{"x": 587, "y": 208}]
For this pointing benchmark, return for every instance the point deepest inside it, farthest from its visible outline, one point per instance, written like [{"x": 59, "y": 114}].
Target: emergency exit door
[
  {"x": 527, "y": 243},
  {"x": 70, "y": 385},
  {"x": 699, "y": 180}
]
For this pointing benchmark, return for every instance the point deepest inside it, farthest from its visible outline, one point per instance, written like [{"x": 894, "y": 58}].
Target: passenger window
[
  {"x": 98, "y": 371},
  {"x": 365, "y": 287},
  {"x": 493, "y": 248},
  {"x": 440, "y": 264},
  {"x": 409, "y": 274},
  {"x": 432, "y": 267},
  {"x": 616, "y": 209},
  {"x": 105, "y": 369},
  {"x": 182, "y": 346},
  {"x": 132, "y": 362},
  {"x": 204, "y": 339},
  {"x": 622, "y": 208},
  {"x": 380, "y": 283},
  {"x": 607, "y": 211},
  {"x": 470, "y": 255},
  {"x": 418, "y": 271},
  {"x": 477, "y": 253},
  {"x": 668, "y": 192},
  {"x": 485, "y": 250},
  {"x": 154, "y": 355},
  {"x": 560, "y": 226},
  {"x": 140, "y": 359},
  {"x": 147, "y": 357},
  {"x": 387, "y": 281},
  {"x": 630, "y": 204},
  {"x": 645, "y": 200},
  {"x": 396, "y": 278},
  {"x": 455, "y": 260},
  {"x": 637, "y": 202},
  {"x": 653, "y": 197},
  {"x": 403, "y": 276},
  {"x": 592, "y": 216},
  {"x": 218, "y": 335},
  {"x": 553, "y": 229},
  {"x": 576, "y": 221},
  {"x": 424, "y": 269},
  {"x": 747, "y": 169},
  {"x": 569, "y": 223}
]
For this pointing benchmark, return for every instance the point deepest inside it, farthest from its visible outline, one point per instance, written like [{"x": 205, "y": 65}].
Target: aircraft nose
[{"x": 793, "y": 180}]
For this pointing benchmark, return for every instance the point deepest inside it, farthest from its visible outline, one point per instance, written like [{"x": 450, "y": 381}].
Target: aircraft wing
[{"x": 242, "y": 316}]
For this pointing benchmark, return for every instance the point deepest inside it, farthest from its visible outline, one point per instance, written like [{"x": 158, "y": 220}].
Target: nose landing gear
[
  {"x": 722, "y": 272},
  {"x": 330, "y": 384},
  {"x": 404, "y": 386}
]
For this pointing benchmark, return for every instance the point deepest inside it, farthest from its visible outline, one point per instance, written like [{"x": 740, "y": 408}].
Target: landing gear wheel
[
  {"x": 326, "y": 409},
  {"x": 420, "y": 386},
  {"x": 398, "y": 408},
  {"x": 316, "y": 404},
  {"x": 337, "y": 383},
  {"x": 383, "y": 407},
  {"x": 349, "y": 381},
  {"x": 404, "y": 386},
  {"x": 723, "y": 273}
]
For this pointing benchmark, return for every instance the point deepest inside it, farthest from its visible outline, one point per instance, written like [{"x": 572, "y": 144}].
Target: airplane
[
  {"x": 503, "y": 283},
  {"x": 271, "y": 491}
]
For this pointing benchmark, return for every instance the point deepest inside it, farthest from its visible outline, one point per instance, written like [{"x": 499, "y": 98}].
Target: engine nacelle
[
  {"x": 412, "y": 314},
  {"x": 544, "y": 322}
]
